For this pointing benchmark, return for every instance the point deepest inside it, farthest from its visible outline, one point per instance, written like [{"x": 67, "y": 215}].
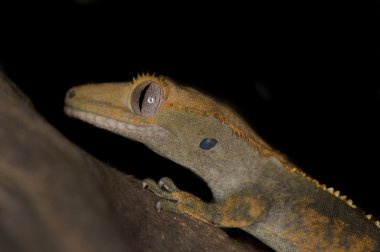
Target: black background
[{"x": 304, "y": 75}]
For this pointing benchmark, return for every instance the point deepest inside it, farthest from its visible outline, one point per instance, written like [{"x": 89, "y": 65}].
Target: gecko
[{"x": 254, "y": 187}]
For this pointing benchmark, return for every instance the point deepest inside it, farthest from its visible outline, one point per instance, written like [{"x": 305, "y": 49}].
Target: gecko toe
[
  {"x": 151, "y": 185},
  {"x": 147, "y": 183},
  {"x": 167, "y": 184},
  {"x": 166, "y": 205}
]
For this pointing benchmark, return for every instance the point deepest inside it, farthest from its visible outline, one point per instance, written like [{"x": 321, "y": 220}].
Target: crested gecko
[{"x": 254, "y": 187}]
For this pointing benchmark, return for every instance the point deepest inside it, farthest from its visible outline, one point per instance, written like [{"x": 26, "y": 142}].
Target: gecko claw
[
  {"x": 147, "y": 182},
  {"x": 161, "y": 184},
  {"x": 158, "y": 206},
  {"x": 144, "y": 184}
]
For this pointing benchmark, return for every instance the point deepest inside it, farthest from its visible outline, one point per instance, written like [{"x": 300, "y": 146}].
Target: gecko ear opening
[
  {"x": 208, "y": 143},
  {"x": 146, "y": 98}
]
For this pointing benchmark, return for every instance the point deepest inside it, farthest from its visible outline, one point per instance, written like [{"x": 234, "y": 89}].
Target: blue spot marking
[{"x": 207, "y": 143}]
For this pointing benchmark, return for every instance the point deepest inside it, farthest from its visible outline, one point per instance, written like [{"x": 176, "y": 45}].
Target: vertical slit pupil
[{"x": 142, "y": 96}]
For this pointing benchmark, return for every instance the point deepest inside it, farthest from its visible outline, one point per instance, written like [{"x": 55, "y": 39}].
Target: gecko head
[{"x": 177, "y": 122}]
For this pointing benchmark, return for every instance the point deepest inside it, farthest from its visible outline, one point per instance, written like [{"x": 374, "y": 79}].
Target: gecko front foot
[
  {"x": 179, "y": 201},
  {"x": 240, "y": 209},
  {"x": 165, "y": 188},
  {"x": 162, "y": 189}
]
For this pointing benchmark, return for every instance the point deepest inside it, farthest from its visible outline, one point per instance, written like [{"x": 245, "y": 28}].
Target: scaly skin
[{"x": 255, "y": 188}]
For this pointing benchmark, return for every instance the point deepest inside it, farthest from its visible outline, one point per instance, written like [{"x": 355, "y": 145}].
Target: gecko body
[{"x": 254, "y": 187}]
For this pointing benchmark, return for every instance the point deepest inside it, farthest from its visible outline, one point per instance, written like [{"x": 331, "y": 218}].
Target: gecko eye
[
  {"x": 146, "y": 98},
  {"x": 207, "y": 143}
]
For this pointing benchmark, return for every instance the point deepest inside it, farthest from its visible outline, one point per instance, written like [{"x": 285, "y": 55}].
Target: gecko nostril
[{"x": 71, "y": 94}]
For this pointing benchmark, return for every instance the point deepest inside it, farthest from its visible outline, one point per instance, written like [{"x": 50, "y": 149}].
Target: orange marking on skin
[
  {"x": 311, "y": 234},
  {"x": 240, "y": 211}
]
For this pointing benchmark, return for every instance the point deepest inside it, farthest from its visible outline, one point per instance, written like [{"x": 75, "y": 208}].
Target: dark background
[{"x": 304, "y": 75}]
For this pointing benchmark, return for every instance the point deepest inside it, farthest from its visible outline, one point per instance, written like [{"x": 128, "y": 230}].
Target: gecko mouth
[{"x": 119, "y": 127}]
